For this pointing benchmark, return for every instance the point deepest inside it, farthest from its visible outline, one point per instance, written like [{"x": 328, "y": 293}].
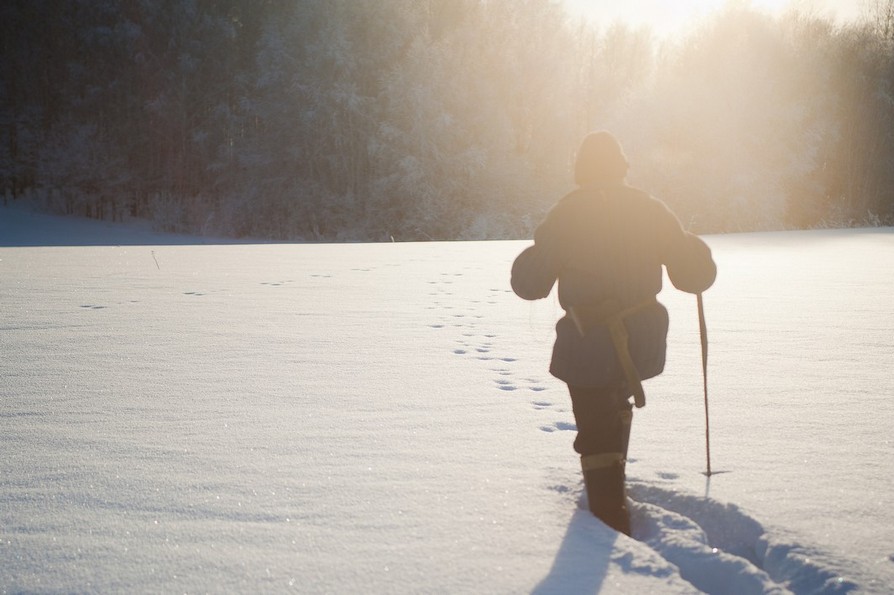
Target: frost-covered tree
[{"x": 719, "y": 128}]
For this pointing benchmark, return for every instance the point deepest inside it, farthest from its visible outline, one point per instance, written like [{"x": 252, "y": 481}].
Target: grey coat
[{"x": 606, "y": 243}]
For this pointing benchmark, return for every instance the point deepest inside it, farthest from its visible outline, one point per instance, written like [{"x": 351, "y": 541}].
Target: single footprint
[{"x": 560, "y": 426}]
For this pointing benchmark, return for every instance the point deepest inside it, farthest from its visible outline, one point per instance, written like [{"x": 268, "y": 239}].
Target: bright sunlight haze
[{"x": 673, "y": 18}]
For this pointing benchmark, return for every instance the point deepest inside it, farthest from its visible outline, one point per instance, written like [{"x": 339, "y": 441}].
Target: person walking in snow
[{"x": 605, "y": 244}]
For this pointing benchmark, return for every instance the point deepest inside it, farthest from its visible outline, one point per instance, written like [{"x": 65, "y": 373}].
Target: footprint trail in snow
[
  {"x": 720, "y": 549},
  {"x": 481, "y": 345}
]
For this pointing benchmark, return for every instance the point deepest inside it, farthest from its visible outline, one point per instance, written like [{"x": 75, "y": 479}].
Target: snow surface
[{"x": 379, "y": 418}]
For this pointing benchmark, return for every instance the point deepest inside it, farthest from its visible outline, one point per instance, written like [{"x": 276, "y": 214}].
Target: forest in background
[{"x": 372, "y": 120}]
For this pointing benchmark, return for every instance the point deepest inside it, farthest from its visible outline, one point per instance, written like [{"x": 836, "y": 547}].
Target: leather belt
[{"x": 608, "y": 313}]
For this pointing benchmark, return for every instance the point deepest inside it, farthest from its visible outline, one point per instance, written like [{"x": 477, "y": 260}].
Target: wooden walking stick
[{"x": 703, "y": 331}]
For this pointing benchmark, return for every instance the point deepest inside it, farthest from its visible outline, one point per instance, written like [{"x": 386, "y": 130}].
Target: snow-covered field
[{"x": 378, "y": 418}]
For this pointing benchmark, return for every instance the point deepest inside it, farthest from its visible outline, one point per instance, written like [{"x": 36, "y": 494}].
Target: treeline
[{"x": 434, "y": 119}]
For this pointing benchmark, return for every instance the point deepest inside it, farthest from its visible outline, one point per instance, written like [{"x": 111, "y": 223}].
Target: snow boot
[{"x": 604, "y": 482}]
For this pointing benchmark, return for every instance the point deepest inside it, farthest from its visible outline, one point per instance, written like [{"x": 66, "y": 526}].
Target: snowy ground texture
[{"x": 378, "y": 418}]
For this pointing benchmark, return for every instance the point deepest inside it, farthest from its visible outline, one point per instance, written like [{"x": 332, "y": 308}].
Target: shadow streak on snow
[
  {"x": 581, "y": 564},
  {"x": 716, "y": 545}
]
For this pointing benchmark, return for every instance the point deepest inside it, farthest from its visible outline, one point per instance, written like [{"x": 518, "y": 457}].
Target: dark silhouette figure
[{"x": 605, "y": 244}]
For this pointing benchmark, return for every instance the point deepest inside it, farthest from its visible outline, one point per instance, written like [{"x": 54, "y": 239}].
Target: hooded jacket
[{"x": 606, "y": 244}]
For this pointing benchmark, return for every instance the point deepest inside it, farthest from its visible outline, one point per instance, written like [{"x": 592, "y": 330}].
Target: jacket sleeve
[
  {"x": 690, "y": 265},
  {"x": 537, "y": 268},
  {"x": 532, "y": 275}
]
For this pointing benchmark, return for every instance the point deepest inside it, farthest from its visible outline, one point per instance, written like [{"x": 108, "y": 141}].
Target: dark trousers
[{"x": 603, "y": 419}]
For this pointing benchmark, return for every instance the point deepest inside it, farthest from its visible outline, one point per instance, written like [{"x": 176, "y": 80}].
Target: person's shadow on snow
[{"x": 583, "y": 558}]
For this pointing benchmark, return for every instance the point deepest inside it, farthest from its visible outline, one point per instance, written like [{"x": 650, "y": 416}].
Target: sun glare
[{"x": 669, "y": 19}]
